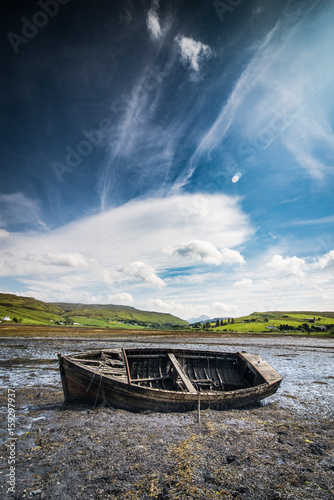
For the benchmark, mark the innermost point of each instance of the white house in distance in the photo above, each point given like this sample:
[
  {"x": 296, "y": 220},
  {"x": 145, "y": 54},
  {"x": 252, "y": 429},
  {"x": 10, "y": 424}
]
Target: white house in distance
[{"x": 5, "y": 318}]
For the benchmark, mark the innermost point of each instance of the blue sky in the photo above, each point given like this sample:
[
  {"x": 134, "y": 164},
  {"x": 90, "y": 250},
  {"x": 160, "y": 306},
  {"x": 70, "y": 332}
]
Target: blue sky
[{"x": 174, "y": 156}]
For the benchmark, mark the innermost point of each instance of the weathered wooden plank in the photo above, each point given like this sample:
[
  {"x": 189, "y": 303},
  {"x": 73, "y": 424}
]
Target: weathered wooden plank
[
  {"x": 126, "y": 365},
  {"x": 268, "y": 373},
  {"x": 184, "y": 377}
]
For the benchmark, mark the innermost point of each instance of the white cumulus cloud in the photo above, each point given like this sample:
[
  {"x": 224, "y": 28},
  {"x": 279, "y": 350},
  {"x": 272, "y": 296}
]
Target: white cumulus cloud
[
  {"x": 121, "y": 298},
  {"x": 208, "y": 253},
  {"x": 291, "y": 265},
  {"x": 193, "y": 52},
  {"x": 327, "y": 261},
  {"x": 231, "y": 257},
  {"x": 66, "y": 263},
  {"x": 142, "y": 272},
  {"x": 185, "y": 310},
  {"x": 153, "y": 22},
  {"x": 223, "y": 309}
]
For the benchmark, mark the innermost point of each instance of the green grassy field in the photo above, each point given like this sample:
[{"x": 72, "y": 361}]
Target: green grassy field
[
  {"x": 83, "y": 321},
  {"x": 267, "y": 322},
  {"x": 29, "y": 316}
]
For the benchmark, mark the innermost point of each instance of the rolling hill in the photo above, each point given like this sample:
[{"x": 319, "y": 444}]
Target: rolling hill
[
  {"x": 28, "y": 310},
  {"x": 278, "y": 322}
]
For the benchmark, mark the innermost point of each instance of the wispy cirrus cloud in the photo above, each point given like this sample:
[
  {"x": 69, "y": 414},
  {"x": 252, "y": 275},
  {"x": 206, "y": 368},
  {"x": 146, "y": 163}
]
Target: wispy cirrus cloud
[
  {"x": 17, "y": 208},
  {"x": 311, "y": 222},
  {"x": 137, "y": 144},
  {"x": 283, "y": 95}
]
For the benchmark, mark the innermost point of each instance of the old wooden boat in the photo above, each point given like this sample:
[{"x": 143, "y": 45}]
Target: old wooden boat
[{"x": 166, "y": 380}]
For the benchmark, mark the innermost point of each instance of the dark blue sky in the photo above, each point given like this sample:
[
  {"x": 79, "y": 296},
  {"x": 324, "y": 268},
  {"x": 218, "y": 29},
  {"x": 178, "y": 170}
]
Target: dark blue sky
[{"x": 208, "y": 125}]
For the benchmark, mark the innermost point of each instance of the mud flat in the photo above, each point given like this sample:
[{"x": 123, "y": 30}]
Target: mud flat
[
  {"x": 262, "y": 452},
  {"x": 279, "y": 449}
]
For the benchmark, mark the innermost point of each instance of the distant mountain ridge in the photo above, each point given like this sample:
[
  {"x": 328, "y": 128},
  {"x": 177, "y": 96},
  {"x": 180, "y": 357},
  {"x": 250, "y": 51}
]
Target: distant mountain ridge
[
  {"x": 200, "y": 319},
  {"x": 204, "y": 319},
  {"x": 34, "y": 311}
]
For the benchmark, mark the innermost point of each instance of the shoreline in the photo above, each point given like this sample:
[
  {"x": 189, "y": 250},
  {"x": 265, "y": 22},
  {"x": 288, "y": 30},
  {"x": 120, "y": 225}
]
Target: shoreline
[{"x": 43, "y": 331}]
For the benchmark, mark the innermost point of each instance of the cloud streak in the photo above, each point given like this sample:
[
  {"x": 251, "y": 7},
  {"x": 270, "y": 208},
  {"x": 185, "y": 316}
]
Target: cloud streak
[
  {"x": 17, "y": 208},
  {"x": 285, "y": 77}
]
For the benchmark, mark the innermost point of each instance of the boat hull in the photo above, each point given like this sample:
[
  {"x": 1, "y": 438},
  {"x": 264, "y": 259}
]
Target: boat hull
[{"x": 87, "y": 385}]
